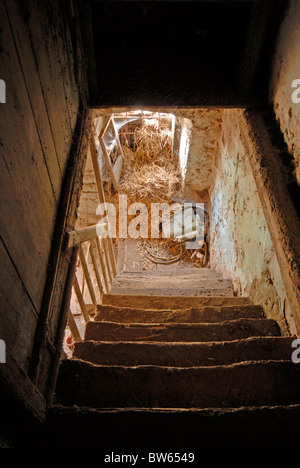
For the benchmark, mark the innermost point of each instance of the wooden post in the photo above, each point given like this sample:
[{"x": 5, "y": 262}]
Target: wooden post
[
  {"x": 96, "y": 269},
  {"x": 73, "y": 327},
  {"x": 104, "y": 274},
  {"x": 87, "y": 278},
  {"x": 102, "y": 200},
  {"x": 81, "y": 301},
  {"x": 104, "y": 244},
  {"x": 78, "y": 236},
  {"x": 112, "y": 257}
]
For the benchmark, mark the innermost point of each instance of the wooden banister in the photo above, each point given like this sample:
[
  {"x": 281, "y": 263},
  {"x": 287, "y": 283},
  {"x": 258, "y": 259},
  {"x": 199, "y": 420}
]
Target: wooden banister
[
  {"x": 104, "y": 253},
  {"x": 85, "y": 234}
]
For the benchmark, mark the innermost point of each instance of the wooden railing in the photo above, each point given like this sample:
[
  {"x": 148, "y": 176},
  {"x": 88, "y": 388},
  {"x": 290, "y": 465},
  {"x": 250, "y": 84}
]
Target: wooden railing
[
  {"x": 96, "y": 257},
  {"x": 98, "y": 261}
]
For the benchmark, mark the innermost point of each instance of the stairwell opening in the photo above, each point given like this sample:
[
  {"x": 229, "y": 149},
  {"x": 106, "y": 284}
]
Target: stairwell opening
[
  {"x": 194, "y": 338},
  {"x": 178, "y": 155}
]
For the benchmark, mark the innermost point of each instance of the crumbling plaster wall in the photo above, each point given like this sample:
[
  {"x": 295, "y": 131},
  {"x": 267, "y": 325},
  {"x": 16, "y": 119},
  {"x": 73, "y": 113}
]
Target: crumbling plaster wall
[
  {"x": 241, "y": 246},
  {"x": 204, "y": 142},
  {"x": 286, "y": 69}
]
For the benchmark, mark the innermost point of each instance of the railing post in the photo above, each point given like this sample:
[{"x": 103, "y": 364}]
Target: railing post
[
  {"x": 81, "y": 301},
  {"x": 96, "y": 269},
  {"x": 104, "y": 274},
  {"x": 87, "y": 278},
  {"x": 73, "y": 327}
]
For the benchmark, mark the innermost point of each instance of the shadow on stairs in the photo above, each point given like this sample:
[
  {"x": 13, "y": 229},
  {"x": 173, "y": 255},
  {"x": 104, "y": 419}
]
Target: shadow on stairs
[{"x": 177, "y": 363}]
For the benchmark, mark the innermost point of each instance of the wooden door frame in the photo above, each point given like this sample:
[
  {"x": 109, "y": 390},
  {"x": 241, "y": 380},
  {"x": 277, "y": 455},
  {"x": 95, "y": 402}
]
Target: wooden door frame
[{"x": 46, "y": 352}]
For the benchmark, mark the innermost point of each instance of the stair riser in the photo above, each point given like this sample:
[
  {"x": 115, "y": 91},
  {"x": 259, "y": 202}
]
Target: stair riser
[
  {"x": 174, "y": 292},
  {"x": 227, "y": 331},
  {"x": 172, "y": 283},
  {"x": 183, "y": 355},
  {"x": 172, "y": 272},
  {"x": 205, "y": 314},
  {"x": 273, "y": 383},
  {"x": 171, "y": 302},
  {"x": 173, "y": 429}
]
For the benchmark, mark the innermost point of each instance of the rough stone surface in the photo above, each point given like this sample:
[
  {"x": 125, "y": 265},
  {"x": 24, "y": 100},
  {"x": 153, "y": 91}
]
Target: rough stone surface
[
  {"x": 171, "y": 332},
  {"x": 194, "y": 315},
  {"x": 252, "y": 427},
  {"x": 241, "y": 246},
  {"x": 171, "y": 302},
  {"x": 235, "y": 385},
  {"x": 183, "y": 354}
]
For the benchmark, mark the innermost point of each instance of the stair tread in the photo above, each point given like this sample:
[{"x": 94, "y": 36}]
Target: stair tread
[
  {"x": 233, "y": 385},
  {"x": 187, "y": 354},
  {"x": 170, "y": 302},
  {"x": 222, "y": 331},
  {"x": 169, "y": 428},
  {"x": 200, "y": 314},
  {"x": 172, "y": 272},
  {"x": 169, "y": 291},
  {"x": 166, "y": 282}
]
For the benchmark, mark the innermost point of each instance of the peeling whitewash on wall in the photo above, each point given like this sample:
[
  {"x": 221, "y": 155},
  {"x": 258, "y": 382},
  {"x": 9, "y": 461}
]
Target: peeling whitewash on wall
[{"x": 241, "y": 246}]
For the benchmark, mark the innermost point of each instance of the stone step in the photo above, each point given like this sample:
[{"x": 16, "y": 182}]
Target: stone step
[
  {"x": 170, "y": 429},
  {"x": 202, "y": 314},
  {"x": 173, "y": 291},
  {"x": 170, "y": 332},
  {"x": 171, "y": 302},
  {"x": 172, "y": 283},
  {"x": 172, "y": 272},
  {"x": 184, "y": 354},
  {"x": 243, "y": 384}
]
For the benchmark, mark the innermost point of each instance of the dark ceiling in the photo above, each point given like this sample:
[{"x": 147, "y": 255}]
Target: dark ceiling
[{"x": 179, "y": 53}]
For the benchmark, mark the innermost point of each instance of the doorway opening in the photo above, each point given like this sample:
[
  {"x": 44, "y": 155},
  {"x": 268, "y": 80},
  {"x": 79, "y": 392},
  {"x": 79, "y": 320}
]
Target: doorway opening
[{"x": 141, "y": 156}]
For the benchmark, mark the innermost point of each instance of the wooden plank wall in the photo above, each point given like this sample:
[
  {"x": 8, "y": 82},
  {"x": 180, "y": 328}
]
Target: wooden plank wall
[{"x": 36, "y": 131}]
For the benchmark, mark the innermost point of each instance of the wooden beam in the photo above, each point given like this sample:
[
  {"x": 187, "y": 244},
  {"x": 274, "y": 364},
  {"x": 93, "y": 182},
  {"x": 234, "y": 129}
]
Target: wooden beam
[
  {"x": 87, "y": 277},
  {"x": 108, "y": 267},
  {"x": 104, "y": 274},
  {"x": 45, "y": 357},
  {"x": 73, "y": 327},
  {"x": 85, "y": 234},
  {"x": 81, "y": 300},
  {"x": 93, "y": 257},
  {"x": 112, "y": 258}
]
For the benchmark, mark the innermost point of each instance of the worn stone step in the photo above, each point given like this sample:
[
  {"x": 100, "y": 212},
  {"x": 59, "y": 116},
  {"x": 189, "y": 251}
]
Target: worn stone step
[
  {"x": 171, "y": 302},
  {"x": 167, "y": 276},
  {"x": 170, "y": 332},
  {"x": 170, "y": 429},
  {"x": 172, "y": 291},
  {"x": 184, "y": 354},
  {"x": 243, "y": 384},
  {"x": 198, "y": 284},
  {"x": 172, "y": 272},
  {"x": 202, "y": 314}
]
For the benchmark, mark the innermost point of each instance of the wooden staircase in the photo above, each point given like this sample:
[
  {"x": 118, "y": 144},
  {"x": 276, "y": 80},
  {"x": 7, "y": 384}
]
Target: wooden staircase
[{"x": 176, "y": 361}]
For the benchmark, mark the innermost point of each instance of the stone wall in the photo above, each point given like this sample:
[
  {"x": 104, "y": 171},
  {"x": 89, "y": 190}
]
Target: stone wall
[
  {"x": 286, "y": 69},
  {"x": 241, "y": 246}
]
